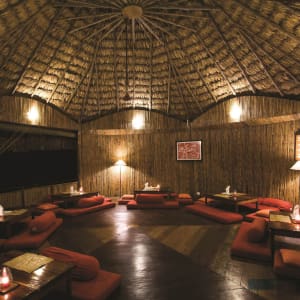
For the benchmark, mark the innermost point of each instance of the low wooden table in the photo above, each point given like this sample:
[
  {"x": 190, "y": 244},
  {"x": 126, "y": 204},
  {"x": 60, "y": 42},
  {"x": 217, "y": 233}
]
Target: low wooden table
[
  {"x": 233, "y": 199},
  {"x": 280, "y": 223},
  {"x": 37, "y": 284},
  {"x": 11, "y": 217}
]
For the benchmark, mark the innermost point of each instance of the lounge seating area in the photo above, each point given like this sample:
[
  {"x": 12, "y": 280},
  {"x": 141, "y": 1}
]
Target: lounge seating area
[
  {"x": 84, "y": 205},
  {"x": 89, "y": 280},
  {"x": 32, "y": 233}
]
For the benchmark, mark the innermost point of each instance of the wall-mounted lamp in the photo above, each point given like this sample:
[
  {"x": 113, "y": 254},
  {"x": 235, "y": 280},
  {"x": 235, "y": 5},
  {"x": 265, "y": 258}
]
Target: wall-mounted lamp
[
  {"x": 33, "y": 114},
  {"x": 120, "y": 163},
  {"x": 138, "y": 122},
  {"x": 235, "y": 112}
]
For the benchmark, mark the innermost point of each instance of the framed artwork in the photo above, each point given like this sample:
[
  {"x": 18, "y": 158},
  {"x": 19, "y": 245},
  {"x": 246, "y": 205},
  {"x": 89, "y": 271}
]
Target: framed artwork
[{"x": 190, "y": 150}]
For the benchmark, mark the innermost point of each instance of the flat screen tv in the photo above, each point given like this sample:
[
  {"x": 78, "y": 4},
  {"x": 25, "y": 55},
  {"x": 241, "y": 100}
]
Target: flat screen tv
[{"x": 35, "y": 157}]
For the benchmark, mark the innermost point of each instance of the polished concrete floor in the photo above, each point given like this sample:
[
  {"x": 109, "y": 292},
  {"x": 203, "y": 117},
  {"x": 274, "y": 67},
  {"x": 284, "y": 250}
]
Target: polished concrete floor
[{"x": 170, "y": 254}]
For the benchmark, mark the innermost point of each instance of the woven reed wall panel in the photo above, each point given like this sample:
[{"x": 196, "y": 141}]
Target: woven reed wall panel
[
  {"x": 253, "y": 159},
  {"x": 12, "y": 200},
  {"x": 14, "y": 109},
  {"x": 252, "y": 108}
]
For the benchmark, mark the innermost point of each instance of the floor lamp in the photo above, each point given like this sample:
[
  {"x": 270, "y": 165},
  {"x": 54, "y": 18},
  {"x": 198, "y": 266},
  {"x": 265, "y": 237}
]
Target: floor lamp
[
  {"x": 120, "y": 163},
  {"x": 296, "y": 167}
]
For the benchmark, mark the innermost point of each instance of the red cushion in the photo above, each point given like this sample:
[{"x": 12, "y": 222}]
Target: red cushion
[
  {"x": 43, "y": 222},
  {"x": 90, "y": 201},
  {"x": 281, "y": 204},
  {"x": 86, "y": 266},
  {"x": 257, "y": 230},
  {"x": 150, "y": 198},
  {"x": 184, "y": 196}
]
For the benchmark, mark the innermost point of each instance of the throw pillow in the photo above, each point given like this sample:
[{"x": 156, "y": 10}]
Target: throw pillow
[
  {"x": 86, "y": 266},
  {"x": 90, "y": 201},
  {"x": 43, "y": 222},
  {"x": 257, "y": 230}
]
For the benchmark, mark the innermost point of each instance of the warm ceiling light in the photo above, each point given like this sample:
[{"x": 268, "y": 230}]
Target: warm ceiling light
[
  {"x": 138, "y": 122},
  {"x": 33, "y": 114},
  {"x": 235, "y": 112}
]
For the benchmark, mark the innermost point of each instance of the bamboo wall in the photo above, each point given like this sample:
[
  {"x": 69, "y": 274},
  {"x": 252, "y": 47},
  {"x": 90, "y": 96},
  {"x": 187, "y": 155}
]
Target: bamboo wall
[
  {"x": 252, "y": 155},
  {"x": 14, "y": 110}
]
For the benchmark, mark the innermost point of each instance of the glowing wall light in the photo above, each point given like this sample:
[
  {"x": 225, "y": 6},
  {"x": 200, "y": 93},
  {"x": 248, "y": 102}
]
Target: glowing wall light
[
  {"x": 138, "y": 122},
  {"x": 235, "y": 112},
  {"x": 33, "y": 114}
]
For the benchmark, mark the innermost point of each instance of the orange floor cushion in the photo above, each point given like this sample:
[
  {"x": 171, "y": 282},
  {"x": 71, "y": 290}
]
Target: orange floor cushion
[{"x": 287, "y": 263}]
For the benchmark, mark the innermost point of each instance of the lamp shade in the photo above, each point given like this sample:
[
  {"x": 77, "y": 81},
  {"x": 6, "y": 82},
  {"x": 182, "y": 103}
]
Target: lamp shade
[
  {"x": 296, "y": 166},
  {"x": 120, "y": 163}
]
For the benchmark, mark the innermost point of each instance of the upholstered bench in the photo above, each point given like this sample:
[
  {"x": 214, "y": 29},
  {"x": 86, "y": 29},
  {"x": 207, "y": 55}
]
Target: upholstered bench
[
  {"x": 216, "y": 214},
  {"x": 152, "y": 201},
  {"x": 89, "y": 281},
  {"x": 86, "y": 205},
  {"x": 252, "y": 241}
]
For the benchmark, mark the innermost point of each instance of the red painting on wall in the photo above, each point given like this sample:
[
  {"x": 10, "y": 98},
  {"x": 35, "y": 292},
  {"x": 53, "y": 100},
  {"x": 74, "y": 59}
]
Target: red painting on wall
[{"x": 190, "y": 150}]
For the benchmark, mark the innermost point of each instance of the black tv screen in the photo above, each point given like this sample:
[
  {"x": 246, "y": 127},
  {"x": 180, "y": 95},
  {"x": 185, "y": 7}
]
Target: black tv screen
[{"x": 36, "y": 159}]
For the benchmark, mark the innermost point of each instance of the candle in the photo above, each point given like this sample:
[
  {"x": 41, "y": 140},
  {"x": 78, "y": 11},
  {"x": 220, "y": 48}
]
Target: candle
[{"x": 6, "y": 277}]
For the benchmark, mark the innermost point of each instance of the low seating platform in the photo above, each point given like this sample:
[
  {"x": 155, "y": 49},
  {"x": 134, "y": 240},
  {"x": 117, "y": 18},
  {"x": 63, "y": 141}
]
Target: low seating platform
[
  {"x": 152, "y": 201},
  {"x": 77, "y": 211},
  {"x": 216, "y": 214}
]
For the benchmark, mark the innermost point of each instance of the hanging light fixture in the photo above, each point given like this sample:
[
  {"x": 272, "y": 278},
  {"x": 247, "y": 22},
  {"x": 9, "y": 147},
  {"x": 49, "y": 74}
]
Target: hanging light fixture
[{"x": 126, "y": 97}]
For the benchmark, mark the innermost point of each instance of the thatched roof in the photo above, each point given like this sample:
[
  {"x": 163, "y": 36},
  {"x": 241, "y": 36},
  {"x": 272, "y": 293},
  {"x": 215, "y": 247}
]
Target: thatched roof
[{"x": 182, "y": 57}]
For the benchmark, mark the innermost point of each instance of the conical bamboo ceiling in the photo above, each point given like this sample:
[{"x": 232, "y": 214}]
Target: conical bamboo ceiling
[{"x": 182, "y": 57}]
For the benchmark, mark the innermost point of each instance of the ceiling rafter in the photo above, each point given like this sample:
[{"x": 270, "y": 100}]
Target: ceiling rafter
[
  {"x": 61, "y": 42},
  {"x": 243, "y": 30},
  {"x": 111, "y": 16},
  {"x": 23, "y": 24},
  {"x": 256, "y": 36},
  {"x": 196, "y": 68},
  {"x": 242, "y": 70},
  {"x": 176, "y": 79},
  {"x": 38, "y": 47},
  {"x": 217, "y": 64},
  {"x": 170, "y": 23},
  {"x": 263, "y": 66},
  {"x": 115, "y": 74},
  {"x": 151, "y": 76},
  {"x": 270, "y": 56},
  {"x": 68, "y": 102},
  {"x": 76, "y": 52},
  {"x": 90, "y": 74},
  {"x": 16, "y": 44},
  {"x": 278, "y": 27}
]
